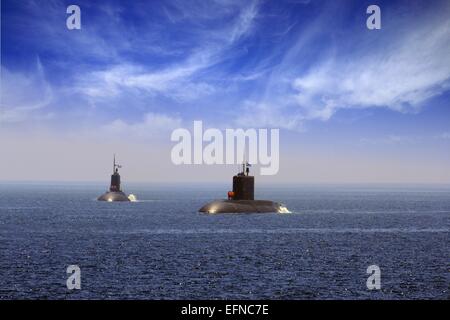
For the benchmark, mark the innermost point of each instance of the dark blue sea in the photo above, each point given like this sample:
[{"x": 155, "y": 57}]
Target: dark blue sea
[{"x": 161, "y": 248}]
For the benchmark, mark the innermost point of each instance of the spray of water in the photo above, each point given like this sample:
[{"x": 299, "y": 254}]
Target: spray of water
[{"x": 283, "y": 209}]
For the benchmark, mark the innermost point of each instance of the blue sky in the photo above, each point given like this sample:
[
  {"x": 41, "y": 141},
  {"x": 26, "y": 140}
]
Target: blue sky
[{"x": 138, "y": 69}]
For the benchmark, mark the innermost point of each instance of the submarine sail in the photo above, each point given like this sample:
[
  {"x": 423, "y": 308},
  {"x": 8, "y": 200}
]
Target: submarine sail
[
  {"x": 115, "y": 193},
  {"x": 242, "y": 199}
]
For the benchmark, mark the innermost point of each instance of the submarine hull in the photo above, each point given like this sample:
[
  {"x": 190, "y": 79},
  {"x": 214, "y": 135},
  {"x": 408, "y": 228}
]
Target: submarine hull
[
  {"x": 113, "y": 196},
  {"x": 243, "y": 206}
]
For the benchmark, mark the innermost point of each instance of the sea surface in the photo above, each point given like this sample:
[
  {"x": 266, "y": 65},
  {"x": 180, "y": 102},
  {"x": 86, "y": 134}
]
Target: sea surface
[{"x": 161, "y": 248}]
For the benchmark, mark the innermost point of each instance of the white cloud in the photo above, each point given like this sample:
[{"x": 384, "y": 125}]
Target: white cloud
[
  {"x": 261, "y": 115},
  {"x": 244, "y": 22},
  {"x": 179, "y": 80},
  {"x": 174, "y": 82},
  {"x": 401, "y": 75},
  {"x": 153, "y": 126},
  {"x": 444, "y": 135},
  {"x": 400, "y": 68},
  {"x": 392, "y": 139},
  {"x": 22, "y": 94}
]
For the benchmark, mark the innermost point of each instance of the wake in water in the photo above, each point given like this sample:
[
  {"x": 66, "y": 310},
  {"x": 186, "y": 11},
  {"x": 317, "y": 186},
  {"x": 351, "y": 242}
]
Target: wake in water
[{"x": 284, "y": 231}]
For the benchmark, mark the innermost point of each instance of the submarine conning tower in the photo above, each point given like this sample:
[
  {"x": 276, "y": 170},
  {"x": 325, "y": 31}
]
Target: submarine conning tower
[
  {"x": 242, "y": 198},
  {"x": 115, "y": 192},
  {"x": 115, "y": 177},
  {"x": 243, "y": 184}
]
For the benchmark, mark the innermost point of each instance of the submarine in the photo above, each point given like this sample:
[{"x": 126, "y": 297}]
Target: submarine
[
  {"x": 241, "y": 199},
  {"x": 115, "y": 193}
]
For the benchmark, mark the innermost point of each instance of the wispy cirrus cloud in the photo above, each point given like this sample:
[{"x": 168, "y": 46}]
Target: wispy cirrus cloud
[
  {"x": 444, "y": 135},
  {"x": 152, "y": 126},
  {"x": 254, "y": 115},
  {"x": 392, "y": 139},
  {"x": 400, "y": 69},
  {"x": 172, "y": 81},
  {"x": 259, "y": 61},
  {"x": 23, "y": 94},
  {"x": 183, "y": 79},
  {"x": 114, "y": 64},
  {"x": 401, "y": 77}
]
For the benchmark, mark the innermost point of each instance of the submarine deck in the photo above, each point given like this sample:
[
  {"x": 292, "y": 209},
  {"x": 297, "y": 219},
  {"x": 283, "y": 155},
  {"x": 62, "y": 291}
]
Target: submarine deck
[
  {"x": 113, "y": 196},
  {"x": 242, "y": 206}
]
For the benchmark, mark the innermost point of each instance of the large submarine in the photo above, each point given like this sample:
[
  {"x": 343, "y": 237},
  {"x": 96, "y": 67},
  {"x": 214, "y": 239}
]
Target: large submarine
[
  {"x": 115, "y": 193},
  {"x": 241, "y": 199}
]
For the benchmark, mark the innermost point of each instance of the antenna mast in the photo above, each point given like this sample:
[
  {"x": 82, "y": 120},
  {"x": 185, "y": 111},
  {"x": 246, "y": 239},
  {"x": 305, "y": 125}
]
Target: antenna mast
[{"x": 115, "y": 166}]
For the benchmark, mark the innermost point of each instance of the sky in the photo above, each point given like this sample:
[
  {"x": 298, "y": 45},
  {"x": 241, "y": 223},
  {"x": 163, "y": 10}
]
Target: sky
[{"x": 353, "y": 105}]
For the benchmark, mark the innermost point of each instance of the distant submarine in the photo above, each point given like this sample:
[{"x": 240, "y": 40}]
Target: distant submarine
[
  {"x": 115, "y": 193},
  {"x": 241, "y": 199}
]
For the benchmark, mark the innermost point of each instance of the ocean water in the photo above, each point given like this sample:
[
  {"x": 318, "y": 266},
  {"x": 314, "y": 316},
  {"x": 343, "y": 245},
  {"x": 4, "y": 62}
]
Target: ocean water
[{"x": 161, "y": 248}]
